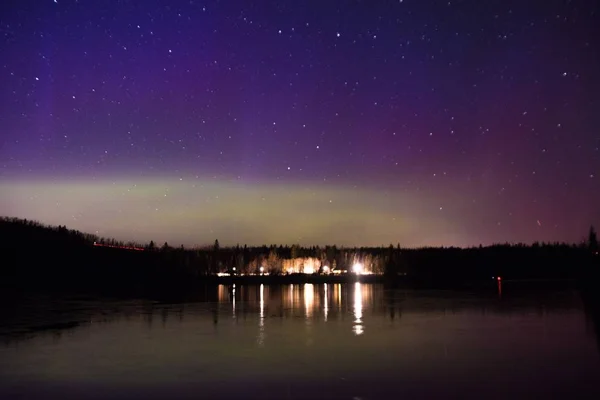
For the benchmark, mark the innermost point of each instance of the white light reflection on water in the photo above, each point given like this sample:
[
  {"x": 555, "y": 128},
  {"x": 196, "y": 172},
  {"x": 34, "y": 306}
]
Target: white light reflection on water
[
  {"x": 233, "y": 299},
  {"x": 325, "y": 302},
  {"x": 261, "y": 317},
  {"x": 262, "y": 304},
  {"x": 358, "y": 328}
]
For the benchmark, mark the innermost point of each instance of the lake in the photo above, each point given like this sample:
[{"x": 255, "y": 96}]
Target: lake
[{"x": 335, "y": 341}]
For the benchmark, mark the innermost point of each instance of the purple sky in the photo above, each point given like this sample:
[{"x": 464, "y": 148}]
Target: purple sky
[{"x": 351, "y": 122}]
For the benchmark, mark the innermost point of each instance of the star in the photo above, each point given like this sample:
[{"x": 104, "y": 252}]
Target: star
[{"x": 211, "y": 100}]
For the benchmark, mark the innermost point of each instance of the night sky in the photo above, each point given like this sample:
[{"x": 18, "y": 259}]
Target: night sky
[{"x": 417, "y": 122}]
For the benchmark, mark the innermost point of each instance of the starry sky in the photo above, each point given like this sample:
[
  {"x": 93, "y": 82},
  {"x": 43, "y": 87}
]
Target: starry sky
[{"x": 417, "y": 122}]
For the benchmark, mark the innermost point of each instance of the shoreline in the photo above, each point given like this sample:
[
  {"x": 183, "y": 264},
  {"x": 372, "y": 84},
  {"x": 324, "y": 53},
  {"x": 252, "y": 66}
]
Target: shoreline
[
  {"x": 399, "y": 282},
  {"x": 297, "y": 279}
]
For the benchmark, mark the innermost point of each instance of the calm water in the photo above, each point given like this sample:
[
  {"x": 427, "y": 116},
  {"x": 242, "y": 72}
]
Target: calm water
[{"x": 354, "y": 341}]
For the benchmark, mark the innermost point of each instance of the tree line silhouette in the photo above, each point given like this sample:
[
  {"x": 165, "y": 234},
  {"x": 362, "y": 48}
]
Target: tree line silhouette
[{"x": 56, "y": 258}]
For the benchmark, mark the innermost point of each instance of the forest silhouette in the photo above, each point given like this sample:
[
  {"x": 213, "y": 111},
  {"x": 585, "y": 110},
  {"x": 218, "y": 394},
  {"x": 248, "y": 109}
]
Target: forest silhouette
[{"x": 41, "y": 257}]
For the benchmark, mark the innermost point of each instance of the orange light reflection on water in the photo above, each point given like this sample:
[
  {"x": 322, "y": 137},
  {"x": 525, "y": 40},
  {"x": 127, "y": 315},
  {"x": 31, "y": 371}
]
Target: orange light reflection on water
[{"x": 309, "y": 299}]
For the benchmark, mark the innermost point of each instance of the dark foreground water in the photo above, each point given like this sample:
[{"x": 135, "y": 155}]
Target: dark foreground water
[{"x": 354, "y": 341}]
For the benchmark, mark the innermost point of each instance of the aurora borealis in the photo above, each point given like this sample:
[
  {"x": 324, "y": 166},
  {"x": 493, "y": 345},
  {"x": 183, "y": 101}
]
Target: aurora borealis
[{"x": 347, "y": 122}]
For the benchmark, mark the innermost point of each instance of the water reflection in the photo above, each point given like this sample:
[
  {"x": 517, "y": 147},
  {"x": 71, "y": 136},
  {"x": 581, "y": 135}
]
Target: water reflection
[
  {"x": 325, "y": 302},
  {"x": 292, "y": 298},
  {"x": 499, "y": 279},
  {"x": 309, "y": 299},
  {"x": 358, "y": 305},
  {"x": 592, "y": 311},
  {"x": 261, "y": 316},
  {"x": 262, "y": 305},
  {"x": 240, "y": 334},
  {"x": 233, "y": 298}
]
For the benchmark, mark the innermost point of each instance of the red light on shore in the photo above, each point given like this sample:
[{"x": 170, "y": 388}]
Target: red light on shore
[{"x": 499, "y": 278}]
